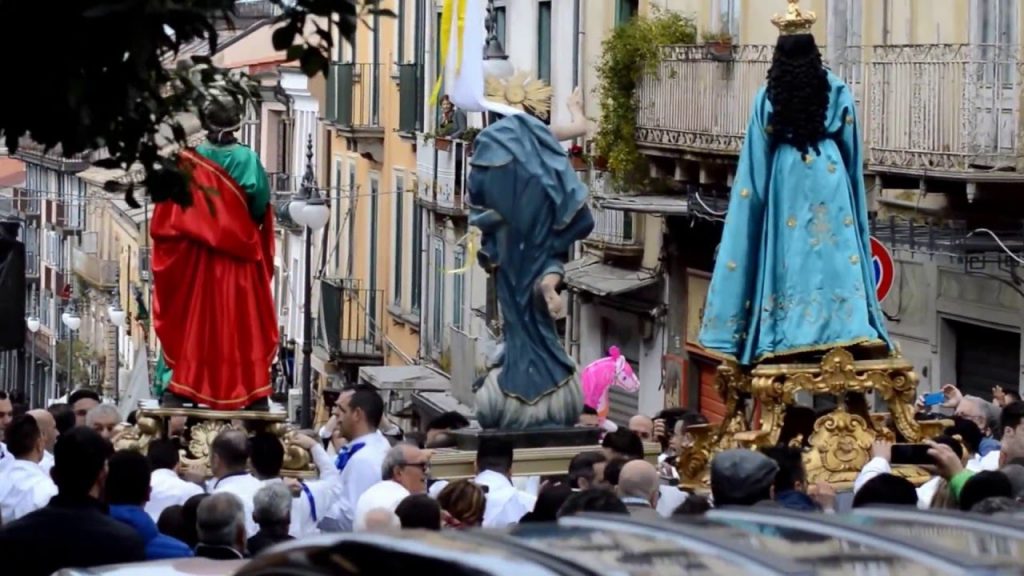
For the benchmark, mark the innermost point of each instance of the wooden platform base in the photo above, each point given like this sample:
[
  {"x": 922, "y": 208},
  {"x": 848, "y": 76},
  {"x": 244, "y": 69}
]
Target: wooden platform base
[
  {"x": 451, "y": 464},
  {"x": 202, "y": 425}
]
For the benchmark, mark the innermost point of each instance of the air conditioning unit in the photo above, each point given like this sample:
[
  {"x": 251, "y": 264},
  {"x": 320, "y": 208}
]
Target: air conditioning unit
[{"x": 294, "y": 404}]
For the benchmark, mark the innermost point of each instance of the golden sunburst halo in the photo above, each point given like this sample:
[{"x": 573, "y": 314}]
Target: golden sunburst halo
[{"x": 521, "y": 92}]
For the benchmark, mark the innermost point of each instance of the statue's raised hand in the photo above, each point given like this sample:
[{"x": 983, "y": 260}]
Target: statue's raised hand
[{"x": 549, "y": 289}]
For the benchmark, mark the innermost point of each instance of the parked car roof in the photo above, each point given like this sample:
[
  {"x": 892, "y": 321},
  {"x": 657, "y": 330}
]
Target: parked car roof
[{"x": 726, "y": 542}]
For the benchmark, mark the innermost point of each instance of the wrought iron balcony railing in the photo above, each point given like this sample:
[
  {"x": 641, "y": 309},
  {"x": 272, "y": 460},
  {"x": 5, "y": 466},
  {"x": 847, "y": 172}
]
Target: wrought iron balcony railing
[
  {"x": 615, "y": 228},
  {"x": 350, "y": 319},
  {"x": 354, "y": 96},
  {"x": 940, "y": 109}
]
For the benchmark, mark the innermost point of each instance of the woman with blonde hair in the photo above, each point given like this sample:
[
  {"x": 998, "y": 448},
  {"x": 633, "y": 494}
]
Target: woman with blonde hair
[{"x": 462, "y": 504}]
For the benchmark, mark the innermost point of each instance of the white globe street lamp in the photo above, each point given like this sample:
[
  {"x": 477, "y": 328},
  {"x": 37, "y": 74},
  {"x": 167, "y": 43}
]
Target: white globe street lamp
[
  {"x": 71, "y": 320},
  {"x": 117, "y": 316},
  {"x": 315, "y": 214},
  {"x": 296, "y": 206},
  {"x": 496, "y": 64},
  {"x": 33, "y": 324}
]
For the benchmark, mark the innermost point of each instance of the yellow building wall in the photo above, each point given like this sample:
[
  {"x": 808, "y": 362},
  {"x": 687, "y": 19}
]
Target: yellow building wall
[{"x": 398, "y": 156}]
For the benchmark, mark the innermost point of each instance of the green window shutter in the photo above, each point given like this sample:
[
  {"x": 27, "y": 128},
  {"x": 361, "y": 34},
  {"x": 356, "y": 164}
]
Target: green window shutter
[
  {"x": 408, "y": 98},
  {"x": 332, "y": 94},
  {"x": 344, "y": 88}
]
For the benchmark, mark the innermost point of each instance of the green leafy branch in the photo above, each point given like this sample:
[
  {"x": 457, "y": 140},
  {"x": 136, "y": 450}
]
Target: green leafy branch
[
  {"x": 630, "y": 52},
  {"x": 115, "y": 91}
]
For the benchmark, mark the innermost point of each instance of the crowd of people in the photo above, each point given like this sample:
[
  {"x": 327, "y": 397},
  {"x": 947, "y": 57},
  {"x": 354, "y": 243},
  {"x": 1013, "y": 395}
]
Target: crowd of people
[{"x": 60, "y": 476}]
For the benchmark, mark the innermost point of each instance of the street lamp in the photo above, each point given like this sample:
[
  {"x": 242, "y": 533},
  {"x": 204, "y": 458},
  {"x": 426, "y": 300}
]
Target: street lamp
[
  {"x": 309, "y": 210},
  {"x": 72, "y": 321},
  {"x": 117, "y": 317},
  {"x": 32, "y": 323},
  {"x": 496, "y": 64}
]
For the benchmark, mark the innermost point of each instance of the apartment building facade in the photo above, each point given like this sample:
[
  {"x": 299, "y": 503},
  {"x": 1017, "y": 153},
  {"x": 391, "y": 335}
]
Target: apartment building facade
[{"x": 939, "y": 111}]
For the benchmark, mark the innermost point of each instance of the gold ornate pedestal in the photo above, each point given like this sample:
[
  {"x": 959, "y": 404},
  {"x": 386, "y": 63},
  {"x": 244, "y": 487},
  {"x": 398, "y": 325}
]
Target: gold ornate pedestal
[
  {"x": 203, "y": 425},
  {"x": 840, "y": 443}
]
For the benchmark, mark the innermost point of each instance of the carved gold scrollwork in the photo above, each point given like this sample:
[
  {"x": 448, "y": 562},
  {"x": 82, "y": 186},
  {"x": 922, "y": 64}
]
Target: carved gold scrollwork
[
  {"x": 841, "y": 444},
  {"x": 841, "y": 440},
  {"x": 139, "y": 436},
  {"x": 695, "y": 455}
]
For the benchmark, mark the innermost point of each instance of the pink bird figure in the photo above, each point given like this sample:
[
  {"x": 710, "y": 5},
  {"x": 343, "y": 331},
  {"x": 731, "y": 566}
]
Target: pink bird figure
[{"x": 600, "y": 375}]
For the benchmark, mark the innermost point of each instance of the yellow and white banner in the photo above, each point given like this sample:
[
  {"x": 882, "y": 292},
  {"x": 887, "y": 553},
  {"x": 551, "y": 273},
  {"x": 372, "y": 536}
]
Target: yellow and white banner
[{"x": 462, "y": 52}]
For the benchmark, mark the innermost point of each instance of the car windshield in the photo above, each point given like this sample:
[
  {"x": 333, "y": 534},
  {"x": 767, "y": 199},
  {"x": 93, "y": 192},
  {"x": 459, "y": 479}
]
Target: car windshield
[
  {"x": 610, "y": 552},
  {"x": 951, "y": 531},
  {"x": 827, "y": 555}
]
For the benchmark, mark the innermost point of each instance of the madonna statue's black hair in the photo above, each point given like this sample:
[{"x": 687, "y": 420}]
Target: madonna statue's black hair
[{"x": 798, "y": 89}]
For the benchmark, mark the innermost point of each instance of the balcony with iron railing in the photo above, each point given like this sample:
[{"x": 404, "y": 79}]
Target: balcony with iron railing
[
  {"x": 616, "y": 232},
  {"x": 95, "y": 271},
  {"x": 354, "y": 99},
  {"x": 66, "y": 215},
  {"x": 350, "y": 321},
  {"x": 27, "y": 202},
  {"x": 948, "y": 111},
  {"x": 443, "y": 167},
  {"x": 34, "y": 153}
]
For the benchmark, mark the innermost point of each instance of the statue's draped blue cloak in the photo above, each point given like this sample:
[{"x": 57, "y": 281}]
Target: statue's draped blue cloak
[
  {"x": 530, "y": 207},
  {"x": 793, "y": 272}
]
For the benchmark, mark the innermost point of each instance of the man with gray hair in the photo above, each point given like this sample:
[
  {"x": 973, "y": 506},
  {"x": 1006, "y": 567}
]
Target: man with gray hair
[
  {"x": 404, "y": 472},
  {"x": 220, "y": 523},
  {"x": 103, "y": 418},
  {"x": 272, "y": 510},
  {"x": 638, "y": 489},
  {"x": 986, "y": 415}
]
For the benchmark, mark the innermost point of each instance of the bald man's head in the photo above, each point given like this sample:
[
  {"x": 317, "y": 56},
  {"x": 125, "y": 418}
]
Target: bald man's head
[
  {"x": 642, "y": 426},
  {"x": 639, "y": 479},
  {"x": 47, "y": 425},
  {"x": 229, "y": 453}
]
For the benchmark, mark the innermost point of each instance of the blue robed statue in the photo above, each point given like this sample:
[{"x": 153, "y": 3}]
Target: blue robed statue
[
  {"x": 793, "y": 271},
  {"x": 530, "y": 208}
]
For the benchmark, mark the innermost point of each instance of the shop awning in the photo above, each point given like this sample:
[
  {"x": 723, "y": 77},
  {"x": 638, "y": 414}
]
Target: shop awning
[
  {"x": 589, "y": 274},
  {"x": 665, "y": 205},
  {"x": 415, "y": 378}
]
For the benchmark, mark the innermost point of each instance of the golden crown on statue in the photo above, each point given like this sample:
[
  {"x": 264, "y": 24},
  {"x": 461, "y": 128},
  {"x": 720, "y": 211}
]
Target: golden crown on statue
[{"x": 795, "y": 20}]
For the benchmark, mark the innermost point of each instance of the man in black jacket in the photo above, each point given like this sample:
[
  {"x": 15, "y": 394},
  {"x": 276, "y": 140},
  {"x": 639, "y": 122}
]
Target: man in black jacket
[{"x": 74, "y": 530}]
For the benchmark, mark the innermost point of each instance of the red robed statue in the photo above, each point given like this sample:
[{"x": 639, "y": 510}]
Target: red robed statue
[{"x": 212, "y": 266}]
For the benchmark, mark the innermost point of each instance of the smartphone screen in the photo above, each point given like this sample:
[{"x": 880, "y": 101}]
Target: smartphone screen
[
  {"x": 911, "y": 454},
  {"x": 934, "y": 398}
]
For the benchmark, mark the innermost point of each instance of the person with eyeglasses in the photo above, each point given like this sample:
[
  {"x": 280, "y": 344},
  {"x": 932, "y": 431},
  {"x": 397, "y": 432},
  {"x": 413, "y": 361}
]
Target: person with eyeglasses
[{"x": 405, "y": 471}]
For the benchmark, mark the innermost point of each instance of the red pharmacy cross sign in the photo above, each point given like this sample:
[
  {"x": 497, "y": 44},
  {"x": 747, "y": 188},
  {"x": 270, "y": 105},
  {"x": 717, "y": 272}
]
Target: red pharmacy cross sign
[{"x": 881, "y": 263}]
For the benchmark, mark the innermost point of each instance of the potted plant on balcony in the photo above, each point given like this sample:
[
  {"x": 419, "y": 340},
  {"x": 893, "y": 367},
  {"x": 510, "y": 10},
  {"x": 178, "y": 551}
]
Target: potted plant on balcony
[
  {"x": 718, "y": 46},
  {"x": 469, "y": 136},
  {"x": 578, "y": 158}
]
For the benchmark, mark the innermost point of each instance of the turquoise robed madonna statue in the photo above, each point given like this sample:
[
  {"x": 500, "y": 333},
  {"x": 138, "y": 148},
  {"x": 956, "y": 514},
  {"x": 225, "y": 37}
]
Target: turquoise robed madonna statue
[{"x": 793, "y": 271}]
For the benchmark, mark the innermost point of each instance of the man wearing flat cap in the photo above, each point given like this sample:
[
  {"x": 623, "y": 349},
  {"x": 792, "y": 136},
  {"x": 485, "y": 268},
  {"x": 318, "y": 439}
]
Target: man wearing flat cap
[{"x": 742, "y": 478}]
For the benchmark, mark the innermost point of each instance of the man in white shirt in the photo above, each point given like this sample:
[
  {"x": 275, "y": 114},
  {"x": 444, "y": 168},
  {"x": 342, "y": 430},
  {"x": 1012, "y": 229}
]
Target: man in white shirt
[
  {"x": 166, "y": 487},
  {"x": 359, "y": 411},
  {"x": 311, "y": 499},
  {"x": 229, "y": 455},
  {"x": 505, "y": 504},
  {"x": 404, "y": 470},
  {"x": 6, "y": 413},
  {"x": 48, "y": 427},
  {"x": 24, "y": 487}
]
